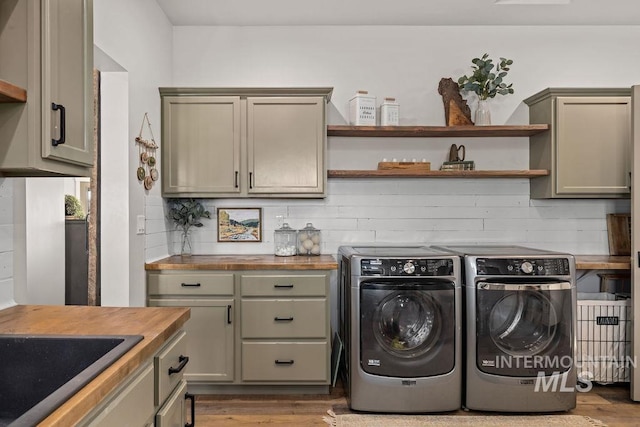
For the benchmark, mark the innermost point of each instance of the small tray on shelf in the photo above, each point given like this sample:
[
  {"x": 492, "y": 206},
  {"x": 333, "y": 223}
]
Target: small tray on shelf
[{"x": 412, "y": 166}]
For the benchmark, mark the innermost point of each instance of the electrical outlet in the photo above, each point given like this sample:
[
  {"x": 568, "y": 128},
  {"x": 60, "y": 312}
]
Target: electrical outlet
[
  {"x": 140, "y": 219},
  {"x": 279, "y": 221}
]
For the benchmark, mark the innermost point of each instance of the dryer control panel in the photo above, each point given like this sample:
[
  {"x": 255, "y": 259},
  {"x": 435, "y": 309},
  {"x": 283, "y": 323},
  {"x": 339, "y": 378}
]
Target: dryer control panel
[
  {"x": 406, "y": 267},
  {"x": 523, "y": 266}
]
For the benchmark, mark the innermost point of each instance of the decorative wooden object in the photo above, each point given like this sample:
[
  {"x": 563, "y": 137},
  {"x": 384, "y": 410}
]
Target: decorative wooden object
[
  {"x": 456, "y": 110},
  {"x": 619, "y": 232},
  {"x": 147, "y": 172},
  {"x": 413, "y": 166}
]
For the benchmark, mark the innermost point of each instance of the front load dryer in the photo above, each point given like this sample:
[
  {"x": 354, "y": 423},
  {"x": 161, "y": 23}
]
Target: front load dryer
[
  {"x": 400, "y": 322},
  {"x": 520, "y": 322}
]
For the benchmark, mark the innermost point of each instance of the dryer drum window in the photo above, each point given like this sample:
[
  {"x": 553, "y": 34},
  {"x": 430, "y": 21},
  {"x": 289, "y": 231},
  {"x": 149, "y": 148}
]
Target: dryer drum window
[
  {"x": 407, "y": 324},
  {"x": 523, "y": 323}
]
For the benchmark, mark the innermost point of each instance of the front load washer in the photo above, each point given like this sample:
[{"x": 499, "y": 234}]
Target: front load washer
[
  {"x": 400, "y": 322},
  {"x": 520, "y": 305}
]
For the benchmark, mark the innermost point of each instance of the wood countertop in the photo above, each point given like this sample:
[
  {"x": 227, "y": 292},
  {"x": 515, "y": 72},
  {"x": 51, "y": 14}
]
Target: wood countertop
[
  {"x": 603, "y": 262},
  {"x": 156, "y": 324},
  {"x": 244, "y": 262}
]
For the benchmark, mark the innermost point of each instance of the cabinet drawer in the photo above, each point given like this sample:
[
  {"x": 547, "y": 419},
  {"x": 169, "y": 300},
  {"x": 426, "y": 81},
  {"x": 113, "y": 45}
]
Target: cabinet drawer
[
  {"x": 169, "y": 360},
  {"x": 269, "y": 318},
  {"x": 278, "y": 361},
  {"x": 283, "y": 285},
  {"x": 190, "y": 284},
  {"x": 173, "y": 411}
]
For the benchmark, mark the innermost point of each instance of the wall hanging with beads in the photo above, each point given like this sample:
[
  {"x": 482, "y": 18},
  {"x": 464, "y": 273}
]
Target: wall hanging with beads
[{"x": 147, "y": 171}]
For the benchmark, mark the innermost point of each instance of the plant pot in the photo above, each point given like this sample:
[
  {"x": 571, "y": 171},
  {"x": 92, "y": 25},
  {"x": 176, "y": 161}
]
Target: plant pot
[{"x": 483, "y": 113}]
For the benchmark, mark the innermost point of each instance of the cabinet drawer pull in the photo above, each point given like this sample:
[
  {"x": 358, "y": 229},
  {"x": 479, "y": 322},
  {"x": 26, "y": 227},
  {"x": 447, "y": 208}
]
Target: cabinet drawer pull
[
  {"x": 250, "y": 179},
  {"x": 283, "y": 286},
  {"x": 284, "y": 362},
  {"x": 63, "y": 124},
  {"x": 229, "y": 314},
  {"x": 190, "y": 285},
  {"x": 283, "y": 319},
  {"x": 236, "y": 179},
  {"x": 183, "y": 362},
  {"x": 192, "y": 398}
]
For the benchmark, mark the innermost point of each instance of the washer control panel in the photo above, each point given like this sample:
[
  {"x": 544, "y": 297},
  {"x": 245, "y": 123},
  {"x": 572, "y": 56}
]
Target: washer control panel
[
  {"x": 406, "y": 267},
  {"x": 523, "y": 266}
]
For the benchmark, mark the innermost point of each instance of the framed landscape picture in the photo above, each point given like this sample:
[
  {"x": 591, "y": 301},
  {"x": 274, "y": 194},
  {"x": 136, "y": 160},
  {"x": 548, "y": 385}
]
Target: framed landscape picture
[{"x": 239, "y": 224}]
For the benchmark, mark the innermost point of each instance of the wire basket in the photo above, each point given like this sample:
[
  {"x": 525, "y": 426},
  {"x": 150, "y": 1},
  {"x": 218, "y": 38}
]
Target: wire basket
[{"x": 603, "y": 338}]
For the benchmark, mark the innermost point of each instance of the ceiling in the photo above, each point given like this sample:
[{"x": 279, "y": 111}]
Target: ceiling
[{"x": 401, "y": 12}]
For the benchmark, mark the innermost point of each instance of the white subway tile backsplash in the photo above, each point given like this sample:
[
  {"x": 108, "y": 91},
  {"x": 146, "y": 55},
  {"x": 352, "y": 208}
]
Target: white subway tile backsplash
[
  {"x": 421, "y": 211},
  {"x": 6, "y": 265},
  {"x": 6, "y": 242}
]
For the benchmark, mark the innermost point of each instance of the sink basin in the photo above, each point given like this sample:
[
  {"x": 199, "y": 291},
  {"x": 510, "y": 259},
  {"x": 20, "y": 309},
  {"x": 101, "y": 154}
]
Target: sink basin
[{"x": 40, "y": 372}]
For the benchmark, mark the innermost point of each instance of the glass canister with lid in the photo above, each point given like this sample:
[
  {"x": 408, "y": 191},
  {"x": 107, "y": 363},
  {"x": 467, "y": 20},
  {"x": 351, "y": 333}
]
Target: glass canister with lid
[
  {"x": 284, "y": 241},
  {"x": 309, "y": 240}
]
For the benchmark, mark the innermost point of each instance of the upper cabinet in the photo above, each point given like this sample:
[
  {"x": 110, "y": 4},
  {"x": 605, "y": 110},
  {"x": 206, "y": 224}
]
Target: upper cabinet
[
  {"x": 233, "y": 142},
  {"x": 588, "y": 150},
  {"x": 47, "y": 49}
]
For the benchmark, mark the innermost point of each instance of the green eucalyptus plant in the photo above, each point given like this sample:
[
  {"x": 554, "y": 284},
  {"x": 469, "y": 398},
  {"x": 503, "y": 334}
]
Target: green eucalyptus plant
[
  {"x": 485, "y": 81},
  {"x": 186, "y": 213}
]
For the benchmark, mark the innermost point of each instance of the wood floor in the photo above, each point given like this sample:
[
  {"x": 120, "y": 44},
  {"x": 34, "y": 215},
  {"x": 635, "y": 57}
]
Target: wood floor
[{"x": 610, "y": 404}]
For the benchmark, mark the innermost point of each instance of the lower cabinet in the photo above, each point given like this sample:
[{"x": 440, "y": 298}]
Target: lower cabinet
[
  {"x": 250, "y": 328},
  {"x": 209, "y": 337},
  {"x": 155, "y": 393}
]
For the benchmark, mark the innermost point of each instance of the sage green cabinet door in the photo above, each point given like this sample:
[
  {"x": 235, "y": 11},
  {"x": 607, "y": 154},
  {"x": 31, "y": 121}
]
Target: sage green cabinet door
[
  {"x": 200, "y": 145},
  {"x": 46, "y": 47},
  {"x": 210, "y": 337},
  {"x": 286, "y": 145},
  {"x": 593, "y": 145},
  {"x": 132, "y": 405},
  {"x": 588, "y": 148},
  {"x": 173, "y": 413},
  {"x": 67, "y": 67}
]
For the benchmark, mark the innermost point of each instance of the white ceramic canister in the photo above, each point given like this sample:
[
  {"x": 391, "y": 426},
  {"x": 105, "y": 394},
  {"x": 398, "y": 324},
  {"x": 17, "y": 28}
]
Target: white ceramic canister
[
  {"x": 389, "y": 112},
  {"x": 362, "y": 109}
]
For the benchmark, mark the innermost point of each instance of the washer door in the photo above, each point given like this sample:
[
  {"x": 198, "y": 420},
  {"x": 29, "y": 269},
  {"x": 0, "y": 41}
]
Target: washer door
[
  {"x": 524, "y": 329},
  {"x": 407, "y": 328}
]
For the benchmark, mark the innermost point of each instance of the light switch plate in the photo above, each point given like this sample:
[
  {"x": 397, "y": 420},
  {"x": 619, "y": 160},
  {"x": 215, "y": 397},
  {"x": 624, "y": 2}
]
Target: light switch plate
[{"x": 140, "y": 224}]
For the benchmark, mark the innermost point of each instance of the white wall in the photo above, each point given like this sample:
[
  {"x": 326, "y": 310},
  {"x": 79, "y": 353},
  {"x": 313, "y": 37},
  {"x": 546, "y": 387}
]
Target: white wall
[
  {"x": 137, "y": 36},
  {"x": 407, "y": 63},
  {"x": 39, "y": 239},
  {"x": 114, "y": 189},
  {"x": 6, "y": 243}
]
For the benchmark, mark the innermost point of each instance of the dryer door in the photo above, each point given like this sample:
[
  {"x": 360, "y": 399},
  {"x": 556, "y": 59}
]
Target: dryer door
[
  {"x": 407, "y": 327},
  {"x": 524, "y": 329}
]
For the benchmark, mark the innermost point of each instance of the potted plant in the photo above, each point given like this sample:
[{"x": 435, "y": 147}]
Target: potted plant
[
  {"x": 186, "y": 213},
  {"x": 73, "y": 207},
  {"x": 486, "y": 83}
]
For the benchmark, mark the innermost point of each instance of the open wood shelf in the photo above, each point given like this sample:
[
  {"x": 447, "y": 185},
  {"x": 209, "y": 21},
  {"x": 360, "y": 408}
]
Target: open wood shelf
[
  {"x": 11, "y": 93},
  {"x": 436, "y": 174},
  {"x": 436, "y": 131}
]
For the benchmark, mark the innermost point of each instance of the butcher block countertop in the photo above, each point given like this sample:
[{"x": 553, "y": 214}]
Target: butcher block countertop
[
  {"x": 244, "y": 262},
  {"x": 603, "y": 262},
  {"x": 156, "y": 324}
]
